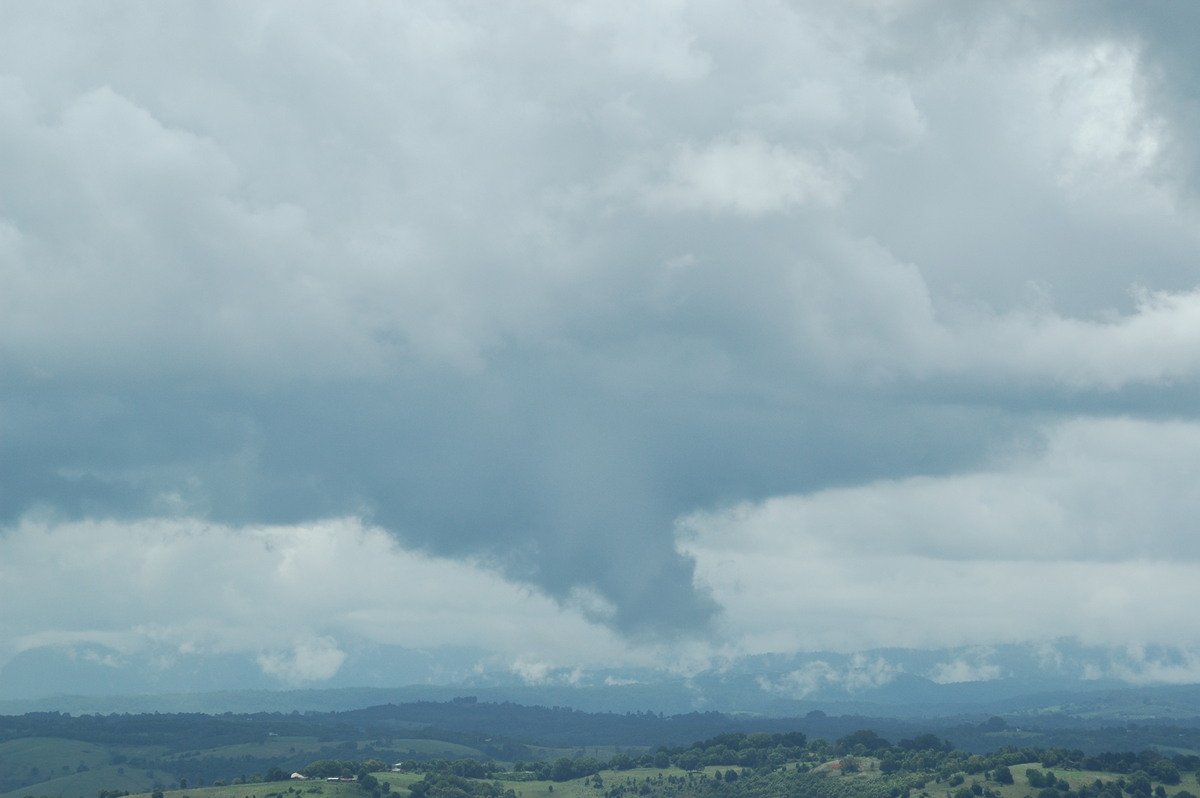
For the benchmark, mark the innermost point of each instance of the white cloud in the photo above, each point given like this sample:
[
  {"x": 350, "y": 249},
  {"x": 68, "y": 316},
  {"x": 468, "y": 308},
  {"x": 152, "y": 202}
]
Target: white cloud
[
  {"x": 283, "y": 595},
  {"x": 312, "y": 660},
  {"x": 859, "y": 674},
  {"x": 1137, "y": 665},
  {"x": 1093, "y": 95},
  {"x": 749, "y": 176},
  {"x": 962, "y": 670},
  {"x": 1090, "y": 537},
  {"x": 1156, "y": 343},
  {"x": 873, "y": 319}
]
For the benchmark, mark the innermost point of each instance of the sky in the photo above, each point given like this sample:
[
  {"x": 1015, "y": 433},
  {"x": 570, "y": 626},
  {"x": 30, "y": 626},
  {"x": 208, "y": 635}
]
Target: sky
[{"x": 597, "y": 334}]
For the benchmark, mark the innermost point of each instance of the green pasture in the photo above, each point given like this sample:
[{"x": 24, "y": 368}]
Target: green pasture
[
  {"x": 315, "y": 788},
  {"x": 576, "y": 788},
  {"x": 1020, "y": 788},
  {"x": 89, "y": 783},
  {"x": 285, "y": 747},
  {"x": 584, "y": 788},
  {"x": 436, "y": 748},
  {"x": 603, "y": 753},
  {"x": 271, "y": 747},
  {"x": 400, "y": 781},
  {"x": 49, "y": 756}
]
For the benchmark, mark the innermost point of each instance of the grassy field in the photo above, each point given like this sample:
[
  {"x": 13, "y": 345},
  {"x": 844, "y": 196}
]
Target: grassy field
[
  {"x": 437, "y": 748},
  {"x": 49, "y": 756},
  {"x": 1020, "y": 788},
  {"x": 88, "y": 783},
  {"x": 284, "y": 747},
  {"x": 400, "y": 781},
  {"x": 600, "y": 752},
  {"x": 585, "y": 788},
  {"x": 271, "y": 747},
  {"x": 70, "y": 768},
  {"x": 1078, "y": 778},
  {"x": 270, "y": 789}
]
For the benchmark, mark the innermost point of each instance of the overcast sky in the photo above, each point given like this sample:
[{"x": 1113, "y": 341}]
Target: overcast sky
[{"x": 597, "y": 333}]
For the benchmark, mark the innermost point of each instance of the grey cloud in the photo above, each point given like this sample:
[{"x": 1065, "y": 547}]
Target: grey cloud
[{"x": 534, "y": 284}]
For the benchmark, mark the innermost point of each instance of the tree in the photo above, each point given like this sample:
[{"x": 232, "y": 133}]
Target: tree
[
  {"x": 794, "y": 739},
  {"x": 331, "y": 769},
  {"x": 926, "y": 742},
  {"x": 1139, "y": 784},
  {"x": 470, "y": 768},
  {"x": 1164, "y": 770},
  {"x": 1004, "y": 775},
  {"x": 620, "y": 762},
  {"x": 868, "y": 739},
  {"x": 563, "y": 769}
]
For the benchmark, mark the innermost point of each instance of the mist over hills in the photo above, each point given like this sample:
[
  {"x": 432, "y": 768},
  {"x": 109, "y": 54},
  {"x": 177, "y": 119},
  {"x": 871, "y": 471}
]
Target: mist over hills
[{"x": 1015, "y": 680}]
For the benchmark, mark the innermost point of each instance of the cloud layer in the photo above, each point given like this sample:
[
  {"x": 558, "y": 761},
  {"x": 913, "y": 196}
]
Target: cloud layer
[
  {"x": 284, "y": 594},
  {"x": 1040, "y": 547},
  {"x": 898, "y": 293}
]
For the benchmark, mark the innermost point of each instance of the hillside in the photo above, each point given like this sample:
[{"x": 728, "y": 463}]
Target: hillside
[{"x": 94, "y": 756}]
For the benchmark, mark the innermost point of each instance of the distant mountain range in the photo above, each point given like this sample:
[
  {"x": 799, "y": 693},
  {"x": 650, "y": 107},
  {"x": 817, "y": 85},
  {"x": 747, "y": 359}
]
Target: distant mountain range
[{"x": 1014, "y": 680}]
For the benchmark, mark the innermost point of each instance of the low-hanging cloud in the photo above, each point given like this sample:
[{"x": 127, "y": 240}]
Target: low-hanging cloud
[
  {"x": 859, "y": 674},
  {"x": 1088, "y": 537},
  {"x": 284, "y": 596}
]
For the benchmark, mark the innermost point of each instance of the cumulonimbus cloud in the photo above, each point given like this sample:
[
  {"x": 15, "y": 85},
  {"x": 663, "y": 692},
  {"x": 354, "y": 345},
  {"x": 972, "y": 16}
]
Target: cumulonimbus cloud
[{"x": 526, "y": 286}]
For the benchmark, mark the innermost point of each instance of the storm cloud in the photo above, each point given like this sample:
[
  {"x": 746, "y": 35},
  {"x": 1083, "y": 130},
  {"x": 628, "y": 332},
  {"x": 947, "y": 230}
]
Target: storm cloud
[{"x": 649, "y": 313}]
